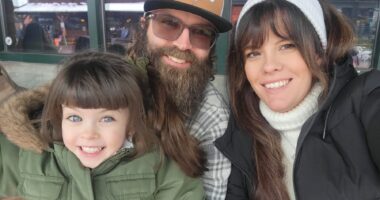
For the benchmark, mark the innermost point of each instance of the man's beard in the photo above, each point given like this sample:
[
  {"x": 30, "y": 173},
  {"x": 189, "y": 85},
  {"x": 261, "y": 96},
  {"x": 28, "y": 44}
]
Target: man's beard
[{"x": 185, "y": 87}]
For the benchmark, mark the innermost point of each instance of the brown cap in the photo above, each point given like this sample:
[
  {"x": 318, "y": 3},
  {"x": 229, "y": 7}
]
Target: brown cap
[{"x": 211, "y": 10}]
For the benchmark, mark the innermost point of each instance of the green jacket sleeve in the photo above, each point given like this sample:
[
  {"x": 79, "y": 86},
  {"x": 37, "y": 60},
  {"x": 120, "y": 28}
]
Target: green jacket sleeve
[
  {"x": 173, "y": 184},
  {"x": 9, "y": 176}
]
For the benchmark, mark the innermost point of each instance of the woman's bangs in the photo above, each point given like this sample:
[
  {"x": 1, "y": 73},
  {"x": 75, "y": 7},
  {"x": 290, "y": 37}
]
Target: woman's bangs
[{"x": 263, "y": 19}]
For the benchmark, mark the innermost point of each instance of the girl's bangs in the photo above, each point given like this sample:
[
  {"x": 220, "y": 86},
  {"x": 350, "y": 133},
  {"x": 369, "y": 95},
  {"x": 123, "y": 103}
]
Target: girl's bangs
[{"x": 97, "y": 91}]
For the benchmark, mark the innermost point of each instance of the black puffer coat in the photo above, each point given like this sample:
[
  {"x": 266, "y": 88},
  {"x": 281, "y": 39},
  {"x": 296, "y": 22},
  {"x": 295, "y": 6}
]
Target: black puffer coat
[{"x": 332, "y": 157}]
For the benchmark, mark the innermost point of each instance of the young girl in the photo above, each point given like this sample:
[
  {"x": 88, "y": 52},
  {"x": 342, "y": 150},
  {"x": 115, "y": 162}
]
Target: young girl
[
  {"x": 300, "y": 113},
  {"x": 95, "y": 143}
]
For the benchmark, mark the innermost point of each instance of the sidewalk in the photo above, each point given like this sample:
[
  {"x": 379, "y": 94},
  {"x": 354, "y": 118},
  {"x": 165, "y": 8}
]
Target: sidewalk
[{"x": 30, "y": 75}]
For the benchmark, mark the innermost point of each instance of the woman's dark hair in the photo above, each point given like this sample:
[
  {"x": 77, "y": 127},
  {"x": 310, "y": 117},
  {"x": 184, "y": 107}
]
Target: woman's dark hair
[
  {"x": 82, "y": 43},
  {"x": 100, "y": 80},
  {"x": 36, "y": 39},
  {"x": 117, "y": 49},
  {"x": 288, "y": 22}
]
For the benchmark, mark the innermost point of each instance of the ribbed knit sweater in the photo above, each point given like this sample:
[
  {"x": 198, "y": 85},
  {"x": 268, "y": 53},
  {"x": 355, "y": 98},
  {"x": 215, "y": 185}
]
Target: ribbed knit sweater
[{"x": 289, "y": 125}]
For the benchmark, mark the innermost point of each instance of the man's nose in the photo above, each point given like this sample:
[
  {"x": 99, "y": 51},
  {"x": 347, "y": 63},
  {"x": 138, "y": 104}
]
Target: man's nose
[{"x": 183, "y": 41}]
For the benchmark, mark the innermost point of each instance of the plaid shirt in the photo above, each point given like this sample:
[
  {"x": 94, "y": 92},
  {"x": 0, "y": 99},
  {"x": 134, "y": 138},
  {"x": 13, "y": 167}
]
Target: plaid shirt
[{"x": 208, "y": 124}]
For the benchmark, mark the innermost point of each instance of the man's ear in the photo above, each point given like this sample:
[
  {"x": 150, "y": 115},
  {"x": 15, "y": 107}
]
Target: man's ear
[{"x": 142, "y": 22}]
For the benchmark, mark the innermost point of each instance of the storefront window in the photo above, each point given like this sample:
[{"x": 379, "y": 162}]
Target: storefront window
[
  {"x": 48, "y": 26},
  {"x": 121, "y": 20},
  {"x": 364, "y": 16}
]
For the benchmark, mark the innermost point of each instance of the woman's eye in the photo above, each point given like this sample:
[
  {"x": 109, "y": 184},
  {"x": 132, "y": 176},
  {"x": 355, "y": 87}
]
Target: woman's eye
[
  {"x": 107, "y": 119},
  {"x": 288, "y": 46},
  {"x": 74, "y": 118},
  {"x": 251, "y": 54}
]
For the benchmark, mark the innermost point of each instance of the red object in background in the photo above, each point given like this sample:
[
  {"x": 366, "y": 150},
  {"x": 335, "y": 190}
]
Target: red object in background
[{"x": 235, "y": 13}]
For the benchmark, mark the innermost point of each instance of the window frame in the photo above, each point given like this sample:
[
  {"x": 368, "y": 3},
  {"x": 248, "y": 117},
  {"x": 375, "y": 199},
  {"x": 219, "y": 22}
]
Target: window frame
[
  {"x": 95, "y": 32},
  {"x": 375, "y": 60},
  {"x": 96, "y": 29}
]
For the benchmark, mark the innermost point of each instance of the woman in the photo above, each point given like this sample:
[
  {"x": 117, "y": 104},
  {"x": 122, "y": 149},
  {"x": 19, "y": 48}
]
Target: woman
[{"x": 300, "y": 112}]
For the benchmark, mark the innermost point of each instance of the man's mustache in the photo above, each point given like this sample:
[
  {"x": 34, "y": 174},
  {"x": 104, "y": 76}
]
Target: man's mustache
[{"x": 175, "y": 52}]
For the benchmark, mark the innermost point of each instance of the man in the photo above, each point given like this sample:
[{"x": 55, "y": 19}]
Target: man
[{"x": 178, "y": 37}]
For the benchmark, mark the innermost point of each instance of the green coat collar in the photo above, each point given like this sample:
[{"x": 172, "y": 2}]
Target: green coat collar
[{"x": 68, "y": 162}]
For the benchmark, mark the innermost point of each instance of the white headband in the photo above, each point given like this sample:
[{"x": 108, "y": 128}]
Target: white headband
[{"x": 310, "y": 8}]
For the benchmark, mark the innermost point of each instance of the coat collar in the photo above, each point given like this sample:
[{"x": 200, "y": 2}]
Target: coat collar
[
  {"x": 69, "y": 163},
  {"x": 341, "y": 74},
  {"x": 20, "y": 118}
]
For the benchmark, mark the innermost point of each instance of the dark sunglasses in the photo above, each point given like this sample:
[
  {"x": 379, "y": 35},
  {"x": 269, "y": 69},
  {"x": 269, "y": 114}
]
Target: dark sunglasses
[{"x": 170, "y": 28}]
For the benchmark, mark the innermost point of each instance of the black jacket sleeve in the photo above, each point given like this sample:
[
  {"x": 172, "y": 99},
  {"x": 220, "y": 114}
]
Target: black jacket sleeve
[
  {"x": 371, "y": 122},
  {"x": 370, "y": 114}
]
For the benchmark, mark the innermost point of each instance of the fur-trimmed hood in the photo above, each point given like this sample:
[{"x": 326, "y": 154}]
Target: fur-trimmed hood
[{"x": 20, "y": 118}]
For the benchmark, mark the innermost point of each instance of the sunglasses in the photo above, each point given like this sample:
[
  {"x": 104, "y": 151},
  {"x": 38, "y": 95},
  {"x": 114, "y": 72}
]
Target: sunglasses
[{"x": 170, "y": 28}]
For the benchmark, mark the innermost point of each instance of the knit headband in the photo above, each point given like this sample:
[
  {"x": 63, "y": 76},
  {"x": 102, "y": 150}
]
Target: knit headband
[{"x": 310, "y": 8}]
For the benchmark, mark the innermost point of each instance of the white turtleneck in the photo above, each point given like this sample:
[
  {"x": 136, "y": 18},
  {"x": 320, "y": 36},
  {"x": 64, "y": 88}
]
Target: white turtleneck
[{"x": 289, "y": 126}]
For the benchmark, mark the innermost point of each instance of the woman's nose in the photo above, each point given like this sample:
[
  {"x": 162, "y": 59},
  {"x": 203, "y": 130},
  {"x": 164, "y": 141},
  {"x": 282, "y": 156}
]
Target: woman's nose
[{"x": 271, "y": 63}]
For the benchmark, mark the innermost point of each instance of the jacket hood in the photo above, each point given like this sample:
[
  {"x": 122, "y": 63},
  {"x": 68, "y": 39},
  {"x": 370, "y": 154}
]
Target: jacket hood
[{"x": 20, "y": 119}]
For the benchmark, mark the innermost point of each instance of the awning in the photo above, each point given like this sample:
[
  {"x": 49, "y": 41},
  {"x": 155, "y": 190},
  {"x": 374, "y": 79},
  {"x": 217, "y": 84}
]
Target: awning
[
  {"x": 121, "y": 7},
  {"x": 77, "y": 7},
  {"x": 52, "y": 7}
]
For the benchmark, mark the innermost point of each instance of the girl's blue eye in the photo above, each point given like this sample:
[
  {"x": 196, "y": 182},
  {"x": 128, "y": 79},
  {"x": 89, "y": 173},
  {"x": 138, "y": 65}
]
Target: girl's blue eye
[
  {"x": 74, "y": 118},
  {"x": 107, "y": 119}
]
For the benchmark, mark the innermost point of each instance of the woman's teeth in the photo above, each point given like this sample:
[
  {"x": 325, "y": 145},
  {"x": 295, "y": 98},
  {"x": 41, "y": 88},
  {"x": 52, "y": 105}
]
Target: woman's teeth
[{"x": 276, "y": 84}]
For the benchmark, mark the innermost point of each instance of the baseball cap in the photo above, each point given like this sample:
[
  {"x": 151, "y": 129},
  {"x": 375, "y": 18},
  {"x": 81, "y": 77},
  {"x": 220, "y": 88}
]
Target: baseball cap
[{"x": 211, "y": 10}]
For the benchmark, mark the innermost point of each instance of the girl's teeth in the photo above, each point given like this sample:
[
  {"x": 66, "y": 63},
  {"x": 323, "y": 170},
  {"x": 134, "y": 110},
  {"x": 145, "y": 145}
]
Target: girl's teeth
[
  {"x": 276, "y": 84},
  {"x": 91, "y": 149},
  {"x": 174, "y": 59}
]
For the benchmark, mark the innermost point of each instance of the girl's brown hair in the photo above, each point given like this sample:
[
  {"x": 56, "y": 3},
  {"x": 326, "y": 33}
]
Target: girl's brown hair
[
  {"x": 288, "y": 22},
  {"x": 100, "y": 80}
]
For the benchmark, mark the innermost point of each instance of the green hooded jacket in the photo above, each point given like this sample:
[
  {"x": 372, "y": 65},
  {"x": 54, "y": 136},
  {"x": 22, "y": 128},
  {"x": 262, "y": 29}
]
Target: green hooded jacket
[{"x": 33, "y": 170}]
